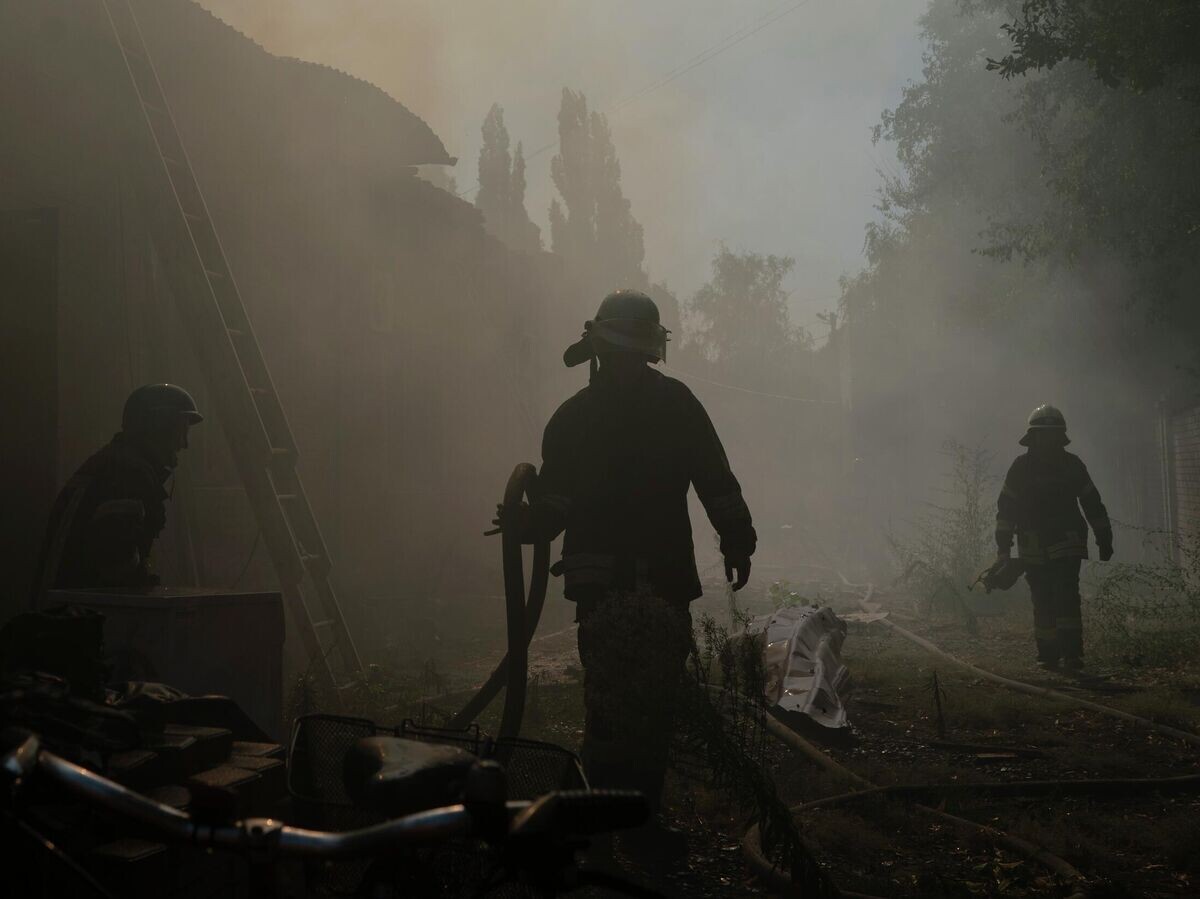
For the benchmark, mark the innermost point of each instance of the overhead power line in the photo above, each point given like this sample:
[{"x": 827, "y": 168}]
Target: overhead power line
[{"x": 728, "y": 42}]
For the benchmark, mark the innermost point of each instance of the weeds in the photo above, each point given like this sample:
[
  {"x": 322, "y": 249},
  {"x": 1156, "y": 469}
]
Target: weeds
[
  {"x": 1147, "y": 613},
  {"x": 721, "y": 723},
  {"x": 938, "y": 692},
  {"x": 948, "y": 544},
  {"x": 782, "y": 596}
]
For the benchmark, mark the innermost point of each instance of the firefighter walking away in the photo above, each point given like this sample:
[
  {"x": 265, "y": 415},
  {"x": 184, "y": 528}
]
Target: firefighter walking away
[
  {"x": 618, "y": 460},
  {"x": 1040, "y": 503}
]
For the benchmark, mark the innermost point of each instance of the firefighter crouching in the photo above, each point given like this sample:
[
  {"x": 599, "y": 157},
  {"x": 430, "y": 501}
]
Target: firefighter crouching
[
  {"x": 1040, "y": 503},
  {"x": 107, "y": 517},
  {"x": 618, "y": 460}
]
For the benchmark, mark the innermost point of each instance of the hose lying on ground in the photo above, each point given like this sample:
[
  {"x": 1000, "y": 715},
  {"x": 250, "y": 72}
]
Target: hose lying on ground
[
  {"x": 1046, "y": 692},
  {"x": 1099, "y": 788},
  {"x": 751, "y": 843},
  {"x": 1021, "y": 686},
  {"x": 763, "y": 867}
]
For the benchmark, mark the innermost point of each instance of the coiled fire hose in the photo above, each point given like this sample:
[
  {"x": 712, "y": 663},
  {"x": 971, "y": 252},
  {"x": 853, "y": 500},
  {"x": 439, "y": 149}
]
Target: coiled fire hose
[{"x": 522, "y": 615}]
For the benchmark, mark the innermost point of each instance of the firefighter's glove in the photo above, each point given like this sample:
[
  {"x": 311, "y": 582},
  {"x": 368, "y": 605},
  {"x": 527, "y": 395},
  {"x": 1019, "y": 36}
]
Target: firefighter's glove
[
  {"x": 1106, "y": 552},
  {"x": 739, "y": 566},
  {"x": 1003, "y": 555},
  {"x": 515, "y": 520}
]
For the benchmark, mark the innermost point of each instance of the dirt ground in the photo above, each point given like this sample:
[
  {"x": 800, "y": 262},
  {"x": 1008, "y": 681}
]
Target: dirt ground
[{"x": 1144, "y": 845}]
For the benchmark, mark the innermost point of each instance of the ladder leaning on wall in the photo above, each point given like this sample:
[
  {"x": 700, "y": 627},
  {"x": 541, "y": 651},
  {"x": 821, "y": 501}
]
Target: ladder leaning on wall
[{"x": 236, "y": 373}]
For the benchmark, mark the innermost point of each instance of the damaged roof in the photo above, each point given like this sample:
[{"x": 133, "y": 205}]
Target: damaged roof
[{"x": 183, "y": 34}]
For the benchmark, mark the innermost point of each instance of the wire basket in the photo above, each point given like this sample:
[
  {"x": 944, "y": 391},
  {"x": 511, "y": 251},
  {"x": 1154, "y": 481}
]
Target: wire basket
[{"x": 319, "y": 744}]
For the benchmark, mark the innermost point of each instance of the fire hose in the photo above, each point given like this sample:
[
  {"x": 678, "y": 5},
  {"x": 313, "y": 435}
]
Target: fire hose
[
  {"x": 522, "y": 613},
  {"x": 752, "y": 843},
  {"x": 773, "y": 874}
]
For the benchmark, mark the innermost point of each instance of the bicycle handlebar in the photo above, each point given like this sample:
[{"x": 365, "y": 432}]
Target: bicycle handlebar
[
  {"x": 554, "y": 815},
  {"x": 264, "y": 835}
]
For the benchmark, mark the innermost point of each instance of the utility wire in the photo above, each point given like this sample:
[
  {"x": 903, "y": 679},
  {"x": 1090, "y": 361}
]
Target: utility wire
[{"x": 728, "y": 42}]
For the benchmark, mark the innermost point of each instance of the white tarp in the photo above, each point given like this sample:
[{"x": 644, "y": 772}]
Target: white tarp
[{"x": 805, "y": 674}]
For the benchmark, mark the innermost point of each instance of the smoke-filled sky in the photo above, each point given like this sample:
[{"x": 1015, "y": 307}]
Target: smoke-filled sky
[{"x": 765, "y": 146}]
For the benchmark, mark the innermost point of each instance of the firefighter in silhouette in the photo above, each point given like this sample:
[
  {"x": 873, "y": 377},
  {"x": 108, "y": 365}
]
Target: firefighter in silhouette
[
  {"x": 108, "y": 515},
  {"x": 618, "y": 460},
  {"x": 1040, "y": 503}
]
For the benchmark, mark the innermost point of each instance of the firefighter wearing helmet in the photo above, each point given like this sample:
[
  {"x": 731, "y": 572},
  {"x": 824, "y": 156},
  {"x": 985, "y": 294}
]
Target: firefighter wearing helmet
[
  {"x": 105, "y": 521},
  {"x": 618, "y": 460},
  {"x": 1040, "y": 503}
]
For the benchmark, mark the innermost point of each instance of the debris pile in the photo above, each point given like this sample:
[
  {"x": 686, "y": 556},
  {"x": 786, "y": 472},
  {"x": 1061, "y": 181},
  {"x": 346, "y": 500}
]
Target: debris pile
[{"x": 805, "y": 679}]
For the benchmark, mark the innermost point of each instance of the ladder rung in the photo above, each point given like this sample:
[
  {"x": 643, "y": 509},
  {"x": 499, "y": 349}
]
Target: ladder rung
[{"x": 275, "y": 474}]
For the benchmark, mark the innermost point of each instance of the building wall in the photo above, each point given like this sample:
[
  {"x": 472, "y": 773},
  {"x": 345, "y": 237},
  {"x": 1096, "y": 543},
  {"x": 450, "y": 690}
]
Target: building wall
[{"x": 416, "y": 357}]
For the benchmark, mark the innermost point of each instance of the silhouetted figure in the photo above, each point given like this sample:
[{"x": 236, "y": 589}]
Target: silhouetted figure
[
  {"x": 1040, "y": 502},
  {"x": 618, "y": 459},
  {"x": 107, "y": 517}
]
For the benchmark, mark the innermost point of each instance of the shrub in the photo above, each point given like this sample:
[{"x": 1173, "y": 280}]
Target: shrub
[
  {"x": 949, "y": 543},
  {"x": 1146, "y": 613}
]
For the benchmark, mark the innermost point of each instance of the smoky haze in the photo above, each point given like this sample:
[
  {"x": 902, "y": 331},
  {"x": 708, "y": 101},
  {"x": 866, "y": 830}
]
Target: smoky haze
[
  {"x": 419, "y": 356},
  {"x": 765, "y": 146}
]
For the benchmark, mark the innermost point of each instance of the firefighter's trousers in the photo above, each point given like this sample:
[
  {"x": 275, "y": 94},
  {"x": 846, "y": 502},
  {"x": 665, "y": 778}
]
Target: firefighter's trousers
[
  {"x": 1057, "y": 620},
  {"x": 634, "y": 648}
]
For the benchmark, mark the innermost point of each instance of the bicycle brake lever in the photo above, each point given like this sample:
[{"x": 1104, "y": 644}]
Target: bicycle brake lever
[{"x": 21, "y": 753}]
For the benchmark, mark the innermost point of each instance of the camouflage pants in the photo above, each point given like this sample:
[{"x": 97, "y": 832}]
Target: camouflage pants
[
  {"x": 633, "y": 647},
  {"x": 1057, "y": 619}
]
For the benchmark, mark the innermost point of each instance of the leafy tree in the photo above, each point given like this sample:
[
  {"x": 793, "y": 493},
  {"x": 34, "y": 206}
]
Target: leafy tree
[
  {"x": 1143, "y": 43},
  {"x": 501, "y": 196},
  {"x": 740, "y": 321},
  {"x": 592, "y": 227},
  {"x": 1112, "y": 103},
  {"x": 1027, "y": 220}
]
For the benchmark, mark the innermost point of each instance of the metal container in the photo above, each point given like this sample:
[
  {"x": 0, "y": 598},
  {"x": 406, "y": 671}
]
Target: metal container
[{"x": 200, "y": 641}]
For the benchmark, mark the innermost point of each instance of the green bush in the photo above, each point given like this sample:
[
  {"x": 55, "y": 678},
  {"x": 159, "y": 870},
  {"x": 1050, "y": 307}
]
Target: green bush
[
  {"x": 1146, "y": 613},
  {"x": 946, "y": 546}
]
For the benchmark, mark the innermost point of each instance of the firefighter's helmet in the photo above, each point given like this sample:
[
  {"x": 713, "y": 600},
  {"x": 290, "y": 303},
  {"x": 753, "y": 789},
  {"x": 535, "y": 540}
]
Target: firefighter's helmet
[
  {"x": 153, "y": 404},
  {"x": 626, "y": 322},
  {"x": 1046, "y": 418}
]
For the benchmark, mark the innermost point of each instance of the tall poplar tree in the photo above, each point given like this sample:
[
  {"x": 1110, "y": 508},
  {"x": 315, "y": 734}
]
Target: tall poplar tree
[
  {"x": 591, "y": 225},
  {"x": 501, "y": 196}
]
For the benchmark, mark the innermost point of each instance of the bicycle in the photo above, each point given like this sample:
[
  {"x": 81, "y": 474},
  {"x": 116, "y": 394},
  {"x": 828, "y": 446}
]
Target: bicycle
[{"x": 534, "y": 842}]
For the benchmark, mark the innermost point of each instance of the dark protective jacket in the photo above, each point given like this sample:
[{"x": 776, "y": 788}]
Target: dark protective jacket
[
  {"x": 104, "y": 523},
  {"x": 1040, "y": 503},
  {"x": 617, "y": 465}
]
